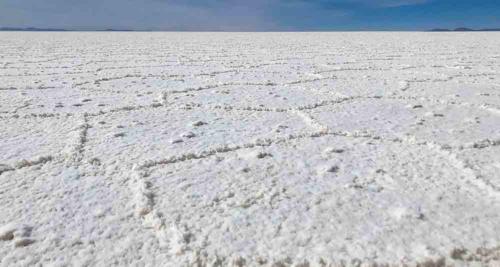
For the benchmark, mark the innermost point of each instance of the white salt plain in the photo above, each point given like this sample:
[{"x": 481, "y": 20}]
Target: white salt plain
[{"x": 249, "y": 149}]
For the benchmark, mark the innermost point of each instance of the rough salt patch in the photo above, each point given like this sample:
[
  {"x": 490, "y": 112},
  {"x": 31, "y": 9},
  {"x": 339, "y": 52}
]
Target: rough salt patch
[
  {"x": 29, "y": 141},
  {"x": 198, "y": 123},
  {"x": 254, "y": 154},
  {"x": 329, "y": 168},
  {"x": 5, "y": 168},
  {"x": 370, "y": 184},
  {"x": 160, "y": 128},
  {"x": 176, "y": 140},
  {"x": 188, "y": 134},
  {"x": 7, "y": 231},
  {"x": 19, "y": 233},
  {"x": 335, "y": 150}
]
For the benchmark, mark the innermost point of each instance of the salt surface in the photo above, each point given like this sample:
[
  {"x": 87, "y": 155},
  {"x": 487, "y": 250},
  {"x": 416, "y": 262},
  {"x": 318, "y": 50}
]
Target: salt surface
[{"x": 249, "y": 149}]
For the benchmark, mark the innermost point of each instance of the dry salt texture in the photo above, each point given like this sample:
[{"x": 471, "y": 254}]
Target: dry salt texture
[{"x": 250, "y": 149}]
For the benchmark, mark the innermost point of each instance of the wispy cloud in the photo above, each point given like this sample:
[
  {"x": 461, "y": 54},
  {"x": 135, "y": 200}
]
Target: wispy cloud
[
  {"x": 397, "y": 3},
  {"x": 364, "y": 3}
]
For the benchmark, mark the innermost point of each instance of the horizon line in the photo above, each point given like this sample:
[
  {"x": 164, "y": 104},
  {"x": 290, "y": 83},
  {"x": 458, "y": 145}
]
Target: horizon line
[{"x": 111, "y": 29}]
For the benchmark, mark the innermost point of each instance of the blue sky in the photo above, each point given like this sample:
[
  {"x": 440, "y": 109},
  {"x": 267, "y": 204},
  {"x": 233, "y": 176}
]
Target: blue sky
[{"x": 251, "y": 14}]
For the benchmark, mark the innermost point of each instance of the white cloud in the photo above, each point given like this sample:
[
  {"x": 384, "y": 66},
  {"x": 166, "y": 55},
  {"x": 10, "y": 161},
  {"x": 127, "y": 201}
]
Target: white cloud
[{"x": 396, "y": 3}]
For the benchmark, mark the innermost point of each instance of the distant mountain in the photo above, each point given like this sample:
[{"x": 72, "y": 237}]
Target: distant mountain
[
  {"x": 117, "y": 30},
  {"x": 31, "y": 29},
  {"x": 440, "y": 30},
  {"x": 463, "y": 29},
  {"x": 490, "y": 30}
]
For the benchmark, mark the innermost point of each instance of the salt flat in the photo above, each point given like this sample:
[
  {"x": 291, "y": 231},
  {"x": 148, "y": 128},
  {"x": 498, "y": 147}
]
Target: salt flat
[{"x": 249, "y": 149}]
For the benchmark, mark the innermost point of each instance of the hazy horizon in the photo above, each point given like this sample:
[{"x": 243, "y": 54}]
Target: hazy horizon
[{"x": 260, "y": 15}]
